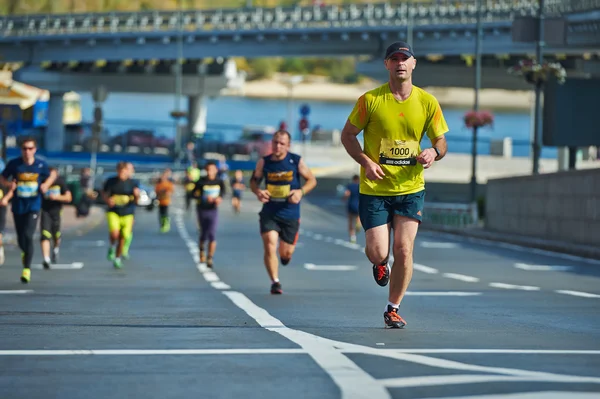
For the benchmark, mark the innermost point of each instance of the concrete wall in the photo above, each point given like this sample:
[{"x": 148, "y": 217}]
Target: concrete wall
[{"x": 562, "y": 206}]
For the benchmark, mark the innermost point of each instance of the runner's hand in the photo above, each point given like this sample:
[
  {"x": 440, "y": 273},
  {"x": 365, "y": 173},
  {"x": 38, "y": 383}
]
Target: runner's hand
[
  {"x": 373, "y": 171},
  {"x": 110, "y": 202},
  {"x": 4, "y": 202},
  {"x": 218, "y": 201},
  {"x": 43, "y": 188},
  {"x": 295, "y": 196},
  {"x": 427, "y": 157},
  {"x": 263, "y": 196}
]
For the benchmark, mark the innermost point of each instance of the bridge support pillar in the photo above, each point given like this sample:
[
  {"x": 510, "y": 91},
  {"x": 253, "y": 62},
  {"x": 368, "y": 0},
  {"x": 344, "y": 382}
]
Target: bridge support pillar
[
  {"x": 197, "y": 115},
  {"x": 54, "y": 139}
]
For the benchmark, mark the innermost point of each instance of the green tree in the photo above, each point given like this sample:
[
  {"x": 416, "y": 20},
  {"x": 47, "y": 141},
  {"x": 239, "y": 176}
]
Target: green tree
[
  {"x": 294, "y": 65},
  {"x": 263, "y": 68}
]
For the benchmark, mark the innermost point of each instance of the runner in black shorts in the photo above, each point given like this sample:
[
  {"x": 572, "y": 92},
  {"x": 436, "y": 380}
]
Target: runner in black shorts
[
  {"x": 29, "y": 178},
  {"x": 237, "y": 188},
  {"x": 280, "y": 215},
  {"x": 52, "y": 203},
  {"x": 209, "y": 193}
]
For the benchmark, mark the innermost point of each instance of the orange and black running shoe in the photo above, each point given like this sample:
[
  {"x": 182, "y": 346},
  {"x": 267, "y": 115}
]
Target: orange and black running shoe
[
  {"x": 381, "y": 273},
  {"x": 392, "y": 319}
]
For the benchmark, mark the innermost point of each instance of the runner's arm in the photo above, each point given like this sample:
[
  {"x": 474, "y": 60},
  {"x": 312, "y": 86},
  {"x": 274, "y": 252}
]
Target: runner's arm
[
  {"x": 52, "y": 175},
  {"x": 7, "y": 173},
  {"x": 307, "y": 174},
  {"x": 136, "y": 194},
  {"x": 65, "y": 194},
  {"x": 351, "y": 144},
  {"x": 442, "y": 146},
  {"x": 8, "y": 194}
]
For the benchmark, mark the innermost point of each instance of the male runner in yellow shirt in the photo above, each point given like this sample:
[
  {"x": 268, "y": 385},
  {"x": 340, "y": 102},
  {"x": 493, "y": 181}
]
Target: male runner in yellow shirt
[{"x": 394, "y": 118}]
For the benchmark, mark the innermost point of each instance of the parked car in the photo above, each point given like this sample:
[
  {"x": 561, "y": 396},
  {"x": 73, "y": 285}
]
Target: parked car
[{"x": 255, "y": 141}]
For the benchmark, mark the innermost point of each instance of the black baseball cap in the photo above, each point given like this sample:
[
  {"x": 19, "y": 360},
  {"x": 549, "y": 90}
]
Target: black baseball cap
[{"x": 399, "y": 47}]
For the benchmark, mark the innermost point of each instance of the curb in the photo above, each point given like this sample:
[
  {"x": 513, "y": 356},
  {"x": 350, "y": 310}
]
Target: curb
[{"x": 583, "y": 251}]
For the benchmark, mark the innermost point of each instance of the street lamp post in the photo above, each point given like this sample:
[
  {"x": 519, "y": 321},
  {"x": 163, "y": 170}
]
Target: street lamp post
[
  {"x": 409, "y": 25},
  {"x": 478, "y": 44},
  {"x": 292, "y": 81},
  {"x": 537, "y": 122},
  {"x": 178, "y": 81}
]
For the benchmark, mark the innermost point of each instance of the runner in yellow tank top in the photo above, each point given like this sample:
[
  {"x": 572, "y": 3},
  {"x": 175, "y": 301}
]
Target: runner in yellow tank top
[{"x": 394, "y": 118}]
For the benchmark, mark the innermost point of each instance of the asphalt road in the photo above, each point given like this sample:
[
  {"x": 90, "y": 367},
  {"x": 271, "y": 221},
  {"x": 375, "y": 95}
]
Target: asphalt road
[{"x": 484, "y": 320}]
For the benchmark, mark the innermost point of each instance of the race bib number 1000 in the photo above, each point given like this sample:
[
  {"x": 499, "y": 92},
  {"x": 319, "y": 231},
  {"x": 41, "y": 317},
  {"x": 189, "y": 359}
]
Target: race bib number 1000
[
  {"x": 398, "y": 152},
  {"x": 279, "y": 192}
]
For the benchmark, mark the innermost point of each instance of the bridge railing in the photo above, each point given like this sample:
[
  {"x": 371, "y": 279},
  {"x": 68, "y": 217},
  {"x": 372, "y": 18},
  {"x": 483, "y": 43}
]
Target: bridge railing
[{"x": 332, "y": 16}]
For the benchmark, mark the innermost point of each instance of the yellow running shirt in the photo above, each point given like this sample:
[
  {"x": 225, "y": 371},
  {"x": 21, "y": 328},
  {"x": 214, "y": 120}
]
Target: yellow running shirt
[{"x": 392, "y": 132}]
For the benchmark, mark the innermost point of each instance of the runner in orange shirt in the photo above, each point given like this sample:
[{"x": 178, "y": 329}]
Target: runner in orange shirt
[{"x": 164, "y": 189}]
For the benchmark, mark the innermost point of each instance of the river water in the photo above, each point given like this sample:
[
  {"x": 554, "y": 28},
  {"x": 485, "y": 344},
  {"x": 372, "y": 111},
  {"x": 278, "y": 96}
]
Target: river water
[{"x": 226, "y": 115}]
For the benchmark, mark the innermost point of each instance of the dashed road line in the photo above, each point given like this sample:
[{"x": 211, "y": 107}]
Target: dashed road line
[
  {"x": 514, "y": 287},
  {"x": 461, "y": 277},
  {"x": 471, "y": 279},
  {"x": 578, "y": 293}
]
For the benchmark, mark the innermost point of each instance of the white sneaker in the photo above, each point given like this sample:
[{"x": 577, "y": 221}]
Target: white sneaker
[
  {"x": 353, "y": 239},
  {"x": 1, "y": 255}
]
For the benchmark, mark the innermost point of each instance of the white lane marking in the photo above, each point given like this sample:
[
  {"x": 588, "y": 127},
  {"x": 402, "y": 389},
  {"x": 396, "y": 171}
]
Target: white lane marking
[
  {"x": 438, "y": 245},
  {"x": 503, "y": 351},
  {"x": 220, "y": 285},
  {"x": 318, "y": 237},
  {"x": 358, "y": 349},
  {"x": 380, "y": 344},
  {"x": 514, "y": 287},
  {"x": 328, "y": 239},
  {"x": 525, "y": 266},
  {"x": 442, "y": 293},
  {"x": 202, "y": 268},
  {"x": 461, "y": 277},
  {"x": 455, "y": 365},
  {"x": 577, "y": 293},
  {"x": 335, "y": 268},
  {"x": 352, "y": 381},
  {"x": 211, "y": 277},
  {"x": 409, "y": 382},
  {"x": 514, "y": 247},
  {"x": 145, "y": 352},
  {"x": 424, "y": 269},
  {"x": 406, "y": 382},
  {"x": 9, "y": 292},
  {"x": 533, "y": 395},
  {"x": 60, "y": 266}
]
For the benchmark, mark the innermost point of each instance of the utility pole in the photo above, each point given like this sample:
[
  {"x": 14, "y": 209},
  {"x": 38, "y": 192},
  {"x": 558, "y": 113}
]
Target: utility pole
[
  {"x": 178, "y": 80},
  {"x": 478, "y": 44},
  {"x": 537, "y": 122},
  {"x": 409, "y": 25}
]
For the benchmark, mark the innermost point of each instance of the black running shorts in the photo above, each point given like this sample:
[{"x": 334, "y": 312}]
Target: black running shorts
[
  {"x": 287, "y": 228},
  {"x": 50, "y": 225}
]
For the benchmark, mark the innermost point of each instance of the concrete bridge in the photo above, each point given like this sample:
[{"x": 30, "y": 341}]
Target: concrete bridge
[{"x": 444, "y": 28}]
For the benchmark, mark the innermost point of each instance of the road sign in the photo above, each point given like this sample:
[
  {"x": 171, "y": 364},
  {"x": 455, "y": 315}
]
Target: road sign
[
  {"x": 304, "y": 110},
  {"x": 303, "y": 124}
]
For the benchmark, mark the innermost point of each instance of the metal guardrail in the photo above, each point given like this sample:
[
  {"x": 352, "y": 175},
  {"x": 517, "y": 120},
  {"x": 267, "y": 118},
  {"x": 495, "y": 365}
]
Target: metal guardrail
[
  {"x": 332, "y": 16},
  {"x": 451, "y": 214}
]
